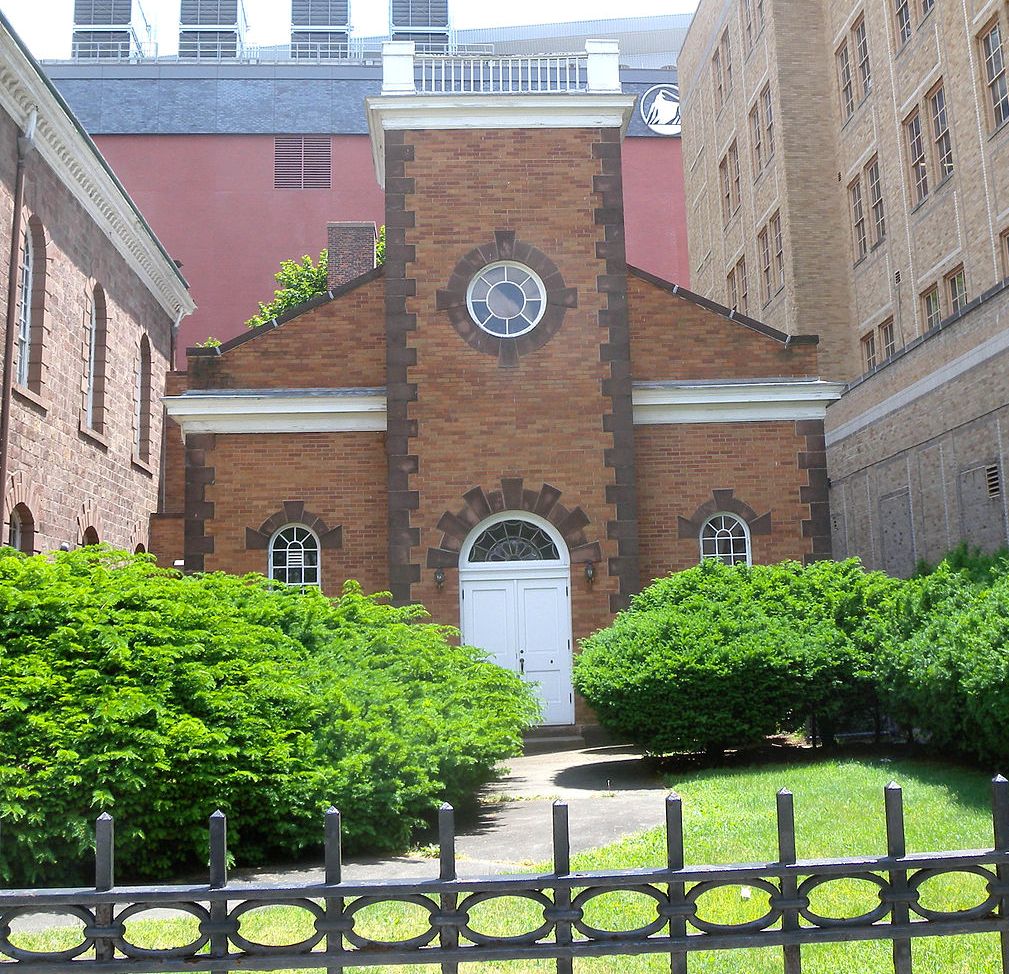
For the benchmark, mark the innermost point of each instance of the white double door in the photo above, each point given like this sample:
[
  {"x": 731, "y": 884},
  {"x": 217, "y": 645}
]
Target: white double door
[{"x": 524, "y": 622}]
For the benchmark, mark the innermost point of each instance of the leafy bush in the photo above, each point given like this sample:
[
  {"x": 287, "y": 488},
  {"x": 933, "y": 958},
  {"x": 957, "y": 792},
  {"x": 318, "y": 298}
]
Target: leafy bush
[
  {"x": 946, "y": 675},
  {"x": 716, "y": 657},
  {"x": 157, "y": 697},
  {"x": 979, "y": 566}
]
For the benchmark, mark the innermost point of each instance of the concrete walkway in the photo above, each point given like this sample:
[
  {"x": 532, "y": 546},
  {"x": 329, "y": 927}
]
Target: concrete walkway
[{"x": 610, "y": 791}]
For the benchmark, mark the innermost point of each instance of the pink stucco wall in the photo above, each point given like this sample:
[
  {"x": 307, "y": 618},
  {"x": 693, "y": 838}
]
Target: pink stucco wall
[{"x": 210, "y": 198}]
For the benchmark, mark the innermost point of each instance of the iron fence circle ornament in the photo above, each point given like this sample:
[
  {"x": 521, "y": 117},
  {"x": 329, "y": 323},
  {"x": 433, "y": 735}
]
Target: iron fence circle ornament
[
  {"x": 490, "y": 940},
  {"x": 595, "y": 933},
  {"x": 421, "y": 940},
  {"x": 759, "y": 923},
  {"x": 873, "y": 916},
  {"x": 984, "y": 908},
  {"x": 21, "y": 954},
  {"x": 254, "y": 947},
  {"x": 193, "y": 947},
  {"x": 506, "y": 299},
  {"x": 659, "y": 107}
]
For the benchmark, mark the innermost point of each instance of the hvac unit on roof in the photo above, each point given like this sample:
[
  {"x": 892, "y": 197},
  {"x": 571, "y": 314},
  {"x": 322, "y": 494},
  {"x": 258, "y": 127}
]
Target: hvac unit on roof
[
  {"x": 211, "y": 29},
  {"x": 320, "y": 29},
  {"x": 109, "y": 30},
  {"x": 425, "y": 22}
]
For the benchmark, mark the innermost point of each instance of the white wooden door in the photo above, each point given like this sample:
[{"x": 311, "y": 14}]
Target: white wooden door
[{"x": 525, "y": 625}]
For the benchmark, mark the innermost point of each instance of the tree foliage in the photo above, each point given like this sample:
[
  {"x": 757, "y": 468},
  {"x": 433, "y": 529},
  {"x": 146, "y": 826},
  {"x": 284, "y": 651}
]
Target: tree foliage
[
  {"x": 301, "y": 280},
  {"x": 717, "y": 657},
  {"x": 159, "y": 698}
]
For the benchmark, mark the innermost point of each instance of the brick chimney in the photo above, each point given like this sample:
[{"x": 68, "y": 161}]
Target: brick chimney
[{"x": 351, "y": 251}]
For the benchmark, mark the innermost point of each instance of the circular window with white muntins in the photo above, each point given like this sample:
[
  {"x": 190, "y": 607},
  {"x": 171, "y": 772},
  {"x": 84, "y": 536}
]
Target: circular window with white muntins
[{"x": 506, "y": 299}]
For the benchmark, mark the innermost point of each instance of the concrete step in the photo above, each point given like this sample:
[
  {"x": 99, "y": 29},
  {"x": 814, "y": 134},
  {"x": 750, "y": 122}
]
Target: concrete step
[{"x": 564, "y": 737}]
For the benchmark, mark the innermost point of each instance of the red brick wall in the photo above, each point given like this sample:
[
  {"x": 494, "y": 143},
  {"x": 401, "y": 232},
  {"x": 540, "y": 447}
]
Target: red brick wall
[
  {"x": 673, "y": 338},
  {"x": 477, "y": 422},
  {"x": 340, "y": 344},
  {"x": 340, "y": 477},
  {"x": 680, "y": 466},
  {"x": 68, "y": 480}
]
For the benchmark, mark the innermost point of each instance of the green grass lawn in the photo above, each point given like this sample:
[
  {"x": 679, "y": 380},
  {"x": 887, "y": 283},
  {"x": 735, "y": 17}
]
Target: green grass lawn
[{"x": 729, "y": 816}]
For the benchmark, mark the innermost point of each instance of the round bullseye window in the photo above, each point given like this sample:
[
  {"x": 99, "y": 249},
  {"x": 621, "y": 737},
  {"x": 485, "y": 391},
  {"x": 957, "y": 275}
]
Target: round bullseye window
[{"x": 506, "y": 299}]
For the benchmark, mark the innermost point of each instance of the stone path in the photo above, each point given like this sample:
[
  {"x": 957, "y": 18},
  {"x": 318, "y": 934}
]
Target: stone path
[{"x": 611, "y": 792}]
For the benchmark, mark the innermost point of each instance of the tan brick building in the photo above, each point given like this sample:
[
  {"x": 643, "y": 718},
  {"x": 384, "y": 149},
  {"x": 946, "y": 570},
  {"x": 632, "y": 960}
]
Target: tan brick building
[
  {"x": 505, "y": 422},
  {"x": 889, "y": 181},
  {"x": 91, "y": 302}
]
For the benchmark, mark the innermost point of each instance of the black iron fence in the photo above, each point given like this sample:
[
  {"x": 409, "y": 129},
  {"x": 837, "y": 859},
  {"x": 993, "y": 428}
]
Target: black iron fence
[{"x": 561, "y": 897}]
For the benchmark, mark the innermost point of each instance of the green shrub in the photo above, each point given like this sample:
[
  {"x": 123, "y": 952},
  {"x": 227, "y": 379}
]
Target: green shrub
[
  {"x": 131, "y": 689},
  {"x": 946, "y": 675},
  {"x": 979, "y": 566},
  {"x": 716, "y": 657}
]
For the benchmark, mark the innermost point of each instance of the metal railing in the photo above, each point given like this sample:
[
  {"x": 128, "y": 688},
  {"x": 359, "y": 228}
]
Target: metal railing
[
  {"x": 491, "y": 74},
  {"x": 560, "y": 897}
]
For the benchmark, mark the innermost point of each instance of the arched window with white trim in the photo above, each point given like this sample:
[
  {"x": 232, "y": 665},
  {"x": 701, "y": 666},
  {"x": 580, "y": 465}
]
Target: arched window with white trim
[
  {"x": 21, "y": 530},
  {"x": 142, "y": 404},
  {"x": 513, "y": 540},
  {"x": 727, "y": 538},
  {"x": 294, "y": 556},
  {"x": 97, "y": 352},
  {"x": 24, "y": 321}
]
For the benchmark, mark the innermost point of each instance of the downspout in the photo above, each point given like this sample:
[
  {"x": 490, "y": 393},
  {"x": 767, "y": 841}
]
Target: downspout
[
  {"x": 25, "y": 145},
  {"x": 173, "y": 342}
]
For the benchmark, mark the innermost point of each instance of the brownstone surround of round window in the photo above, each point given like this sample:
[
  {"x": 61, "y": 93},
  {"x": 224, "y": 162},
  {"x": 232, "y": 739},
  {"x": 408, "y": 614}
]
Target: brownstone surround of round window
[{"x": 452, "y": 298}]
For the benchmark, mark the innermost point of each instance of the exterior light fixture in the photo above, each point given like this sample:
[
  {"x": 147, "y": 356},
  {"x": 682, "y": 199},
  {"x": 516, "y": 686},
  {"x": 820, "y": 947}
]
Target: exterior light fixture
[
  {"x": 64, "y": 546},
  {"x": 439, "y": 577},
  {"x": 590, "y": 571}
]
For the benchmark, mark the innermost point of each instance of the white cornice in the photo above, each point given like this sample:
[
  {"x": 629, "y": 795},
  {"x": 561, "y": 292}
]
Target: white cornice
[
  {"x": 279, "y": 411},
  {"x": 520, "y": 111},
  {"x": 78, "y": 165},
  {"x": 364, "y": 410},
  {"x": 755, "y": 401}
]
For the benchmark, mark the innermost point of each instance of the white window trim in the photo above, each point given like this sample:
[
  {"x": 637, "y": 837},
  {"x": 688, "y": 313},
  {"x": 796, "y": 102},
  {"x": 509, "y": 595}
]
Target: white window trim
[
  {"x": 318, "y": 547},
  {"x": 746, "y": 534},
  {"x": 24, "y": 333}
]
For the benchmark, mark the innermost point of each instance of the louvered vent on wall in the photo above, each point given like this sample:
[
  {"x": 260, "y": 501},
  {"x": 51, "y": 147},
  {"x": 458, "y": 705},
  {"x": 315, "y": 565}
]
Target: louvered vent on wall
[
  {"x": 320, "y": 13},
  {"x": 422, "y": 14},
  {"x": 303, "y": 162},
  {"x": 102, "y": 13},
  {"x": 211, "y": 12},
  {"x": 993, "y": 479}
]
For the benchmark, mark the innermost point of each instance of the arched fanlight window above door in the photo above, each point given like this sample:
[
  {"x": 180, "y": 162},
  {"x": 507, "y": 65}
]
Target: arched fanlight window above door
[{"x": 513, "y": 540}]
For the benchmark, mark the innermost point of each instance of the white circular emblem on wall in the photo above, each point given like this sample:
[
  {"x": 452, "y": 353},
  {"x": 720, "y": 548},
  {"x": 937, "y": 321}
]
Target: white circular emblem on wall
[{"x": 660, "y": 109}]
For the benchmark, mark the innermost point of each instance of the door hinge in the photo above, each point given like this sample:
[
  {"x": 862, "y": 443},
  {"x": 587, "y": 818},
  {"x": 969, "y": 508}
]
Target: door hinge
[
  {"x": 567, "y": 591},
  {"x": 571, "y": 697}
]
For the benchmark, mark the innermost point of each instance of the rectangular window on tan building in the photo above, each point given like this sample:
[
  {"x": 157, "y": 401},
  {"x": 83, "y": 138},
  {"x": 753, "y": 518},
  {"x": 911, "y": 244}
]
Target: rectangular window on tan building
[
  {"x": 845, "y": 83},
  {"x": 887, "y": 338},
  {"x": 869, "y": 351},
  {"x": 726, "y": 61},
  {"x": 764, "y": 249},
  {"x": 874, "y": 184},
  {"x": 716, "y": 79},
  {"x": 859, "y": 237},
  {"x": 756, "y": 140},
  {"x": 746, "y": 9},
  {"x": 918, "y": 170},
  {"x": 931, "y": 310},
  {"x": 860, "y": 39},
  {"x": 778, "y": 246},
  {"x": 956, "y": 289},
  {"x": 726, "y": 187},
  {"x": 766, "y": 105},
  {"x": 1005, "y": 253},
  {"x": 734, "y": 181},
  {"x": 926, "y": 8},
  {"x": 902, "y": 21},
  {"x": 732, "y": 295},
  {"x": 742, "y": 285},
  {"x": 993, "y": 67},
  {"x": 942, "y": 146}
]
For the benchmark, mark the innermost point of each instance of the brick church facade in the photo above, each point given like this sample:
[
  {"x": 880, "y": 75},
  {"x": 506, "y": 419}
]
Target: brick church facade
[{"x": 505, "y": 422}]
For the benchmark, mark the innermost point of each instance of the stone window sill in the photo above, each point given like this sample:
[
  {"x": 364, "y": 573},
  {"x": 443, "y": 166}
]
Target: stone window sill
[
  {"x": 31, "y": 398},
  {"x": 93, "y": 435},
  {"x": 142, "y": 465}
]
